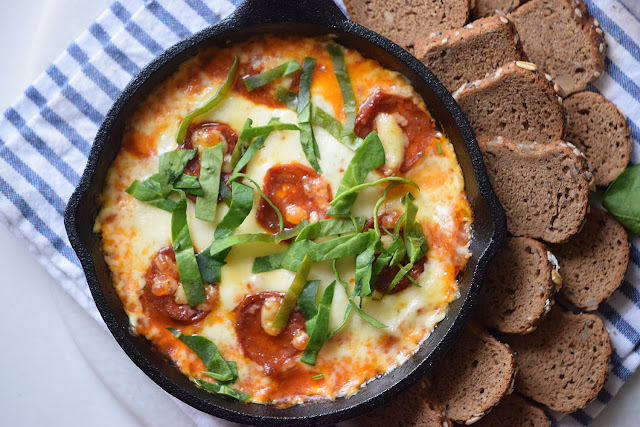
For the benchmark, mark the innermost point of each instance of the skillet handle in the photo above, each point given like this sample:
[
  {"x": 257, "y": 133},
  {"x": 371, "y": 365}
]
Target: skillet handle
[{"x": 323, "y": 12}]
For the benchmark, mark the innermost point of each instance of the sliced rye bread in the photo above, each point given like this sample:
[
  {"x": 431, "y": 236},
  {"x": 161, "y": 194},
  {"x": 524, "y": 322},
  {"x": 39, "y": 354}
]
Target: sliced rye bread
[
  {"x": 594, "y": 261},
  {"x": 470, "y": 53},
  {"x": 416, "y": 407},
  {"x": 600, "y": 131},
  {"x": 519, "y": 287},
  {"x": 516, "y": 102},
  {"x": 404, "y": 22},
  {"x": 484, "y": 8},
  {"x": 474, "y": 375},
  {"x": 563, "y": 40},
  {"x": 514, "y": 411},
  {"x": 563, "y": 364},
  {"x": 544, "y": 189}
]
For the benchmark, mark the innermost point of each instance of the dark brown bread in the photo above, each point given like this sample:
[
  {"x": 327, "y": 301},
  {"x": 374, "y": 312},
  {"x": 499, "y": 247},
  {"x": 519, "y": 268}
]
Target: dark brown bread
[
  {"x": 600, "y": 131},
  {"x": 416, "y": 407},
  {"x": 563, "y": 363},
  {"x": 515, "y": 102},
  {"x": 514, "y": 411},
  {"x": 594, "y": 261},
  {"x": 519, "y": 287},
  {"x": 470, "y": 53},
  {"x": 406, "y": 21},
  {"x": 562, "y": 39},
  {"x": 474, "y": 375},
  {"x": 483, "y": 8},
  {"x": 544, "y": 189}
]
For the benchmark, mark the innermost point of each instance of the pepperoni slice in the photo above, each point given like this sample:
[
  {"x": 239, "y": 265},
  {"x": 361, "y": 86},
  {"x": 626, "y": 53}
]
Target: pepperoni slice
[
  {"x": 162, "y": 282},
  {"x": 419, "y": 127},
  {"x": 269, "y": 351},
  {"x": 297, "y": 191},
  {"x": 263, "y": 94},
  {"x": 388, "y": 273}
]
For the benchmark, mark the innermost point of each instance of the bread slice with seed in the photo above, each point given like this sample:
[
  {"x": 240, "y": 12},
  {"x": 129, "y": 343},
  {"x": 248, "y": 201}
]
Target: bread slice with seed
[
  {"x": 600, "y": 131},
  {"x": 513, "y": 411},
  {"x": 416, "y": 407},
  {"x": 484, "y": 8},
  {"x": 474, "y": 375},
  {"x": 519, "y": 287},
  {"x": 594, "y": 261},
  {"x": 544, "y": 189},
  {"x": 515, "y": 102},
  {"x": 562, "y": 39},
  {"x": 470, "y": 53},
  {"x": 404, "y": 22},
  {"x": 563, "y": 364}
]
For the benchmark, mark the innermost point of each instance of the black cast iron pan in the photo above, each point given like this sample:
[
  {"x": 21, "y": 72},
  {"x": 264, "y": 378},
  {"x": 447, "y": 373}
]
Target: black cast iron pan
[{"x": 283, "y": 17}]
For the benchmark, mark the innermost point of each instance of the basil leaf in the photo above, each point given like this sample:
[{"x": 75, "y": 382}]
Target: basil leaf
[
  {"x": 416, "y": 243},
  {"x": 185, "y": 255},
  {"x": 172, "y": 163},
  {"x": 239, "y": 239},
  {"x": 622, "y": 198},
  {"x": 364, "y": 264},
  {"x": 267, "y": 263},
  {"x": 404, "y": 270},
  {"x": 149, "y": 191},
  {"x": 318, "y": 327},
  {"x": 189, "y": 184},
  {"x": 368, "y": 157},
  {"x": 253, "y": 149},
  {"x": 410, "y": 211},
  {"x": 353, "y": 306},
  {"x": 249, "y": 133},
  {"x": 293, "y": 293},
  {"x": 287, "y": 97},
  {"x": 395, "y": 250},
  {"x": 307, "y": 299},
  {"x": 216, "y": 99},
  {"x": 344, "y": 81},
  {"x": 225, "y": 192},
  {"x": 241, "y": 205},
  {"x": 354, "y": 190},
  {"x": 331, "y": 227},
  {"x": 264, "y": 196},
  {"x": 271, "y": 75},
  {"x": 307, "y": 138},
  {"x": 208, "y": 352},
  {"x": 210, "y": 172},
  {"x": 210, "y": 266},
  {"x": 244, "y": 141},
  {"x": 222, "y": 389}
]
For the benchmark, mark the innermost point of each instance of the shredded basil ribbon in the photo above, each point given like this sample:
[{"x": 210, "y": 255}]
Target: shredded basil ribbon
[
  {"x": 185, "y": 256},
  {"x": 364, "y": 263},
  {"x": 307, "y": 300},
  {"x": 189, "y": 184},
  {"x": 210, "y": 171},
  {"x": 220, "y": 369},
  {"x": 239, "y": 239},
  {"x": 307, "y": 138},
  {"x": 291, "y": 296},
  {"x": 368, "y": 157},
  {"x": 251, "y": 150},
  {"x": 249, "y": 133},
  {"x": 332, "y": 227},
  {"x": 344, "y": 81},
  {"x": 216, "y": 99},
  {"x": 222, "y": 390},
  {"x": 622, "y": 198},
  {"x": 264, "y": 196},
  {"x": 353, "y": 306},
  {"x": 241, "y": 205},
  {"x": 319, "y": 118},
  {"x": 318, "y": 327},
  {"x": 156, "y": 189},
  {"x": 271, "y": 75}
]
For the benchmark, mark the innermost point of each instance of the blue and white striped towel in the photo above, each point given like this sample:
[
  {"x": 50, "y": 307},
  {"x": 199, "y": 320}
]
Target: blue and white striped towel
[{"x": 46, "y": 136}]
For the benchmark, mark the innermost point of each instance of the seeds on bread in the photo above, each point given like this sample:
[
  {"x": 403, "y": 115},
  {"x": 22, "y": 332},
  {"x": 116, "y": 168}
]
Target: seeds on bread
[
  {"x": 474, "y": 375},
  {"x": 563, "y": 40},
  {"x": 404, "y": 22},
  {"x": 600, "y": 131},
  {"x": 594, "y": 261},
  {"x": 563, "y": 364},
  {"x": 484, "y": 8},
  {"x": 519, "y": 287},
  {"x": 516, "y": 102},
  {"x": 513, "y": 411},
  {"x": 470, "y": 53},
  {"x": 544, "y": 189}
]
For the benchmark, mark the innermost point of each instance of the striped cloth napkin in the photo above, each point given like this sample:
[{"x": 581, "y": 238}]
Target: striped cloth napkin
[{"x": 46, "y": 136}]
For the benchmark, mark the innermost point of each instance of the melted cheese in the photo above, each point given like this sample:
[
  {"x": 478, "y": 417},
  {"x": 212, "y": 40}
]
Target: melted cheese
[{"x": 132, "y": 232}]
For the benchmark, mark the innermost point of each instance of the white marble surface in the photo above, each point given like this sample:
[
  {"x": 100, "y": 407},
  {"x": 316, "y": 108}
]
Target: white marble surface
[{"x": 58, "y": 367}]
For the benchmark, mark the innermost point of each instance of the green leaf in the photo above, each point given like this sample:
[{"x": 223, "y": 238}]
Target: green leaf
[
  {"x": 210, "y": 266},
  {"x": 318, "y": 327},
  {"x": 216, "y": 99},
  {"x": 368, "y": 157},
  {"x": 287, "y": 97},
  {"x": 331, "y": 227},
  {"x": 307, "y": 138},
  {"x": 185, "y": 255},
  {"x": 222, "y": 389},
  {"x": 208, "y": 352},
  {"x": 344, "y": 81},
  {"x": 264, "y": 196},
  {"x": 293, "y": 293},
  {"x": 622, "y": 198},
  {"x": 189, "y": 184},
  {"x": 253, "y": 149},
  {"x": 249, "y": 133},
  {"x": 267, "y": 263},
  {"x": 241, "y": 205},
  {"x": 364, "y": 264},
  {"x": 307, "y": 300},
  {"x": 271, "y": 75},
  {"x": 149, "y": 191},
  {"x": 353, "y": 306},
  {"x": 356, "y": 189},
  {"x": 239, "y": 239},
  {"x": 210, "y": 172},
  {"x": 309, "y": 145}
]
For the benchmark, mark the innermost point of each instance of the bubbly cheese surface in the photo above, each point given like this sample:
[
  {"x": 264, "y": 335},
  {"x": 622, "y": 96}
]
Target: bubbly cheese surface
[{"x": 133, "y": 232}]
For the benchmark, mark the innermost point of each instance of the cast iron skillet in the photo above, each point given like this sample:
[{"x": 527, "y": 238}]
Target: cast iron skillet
[{"x": 282, "y": 17}]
